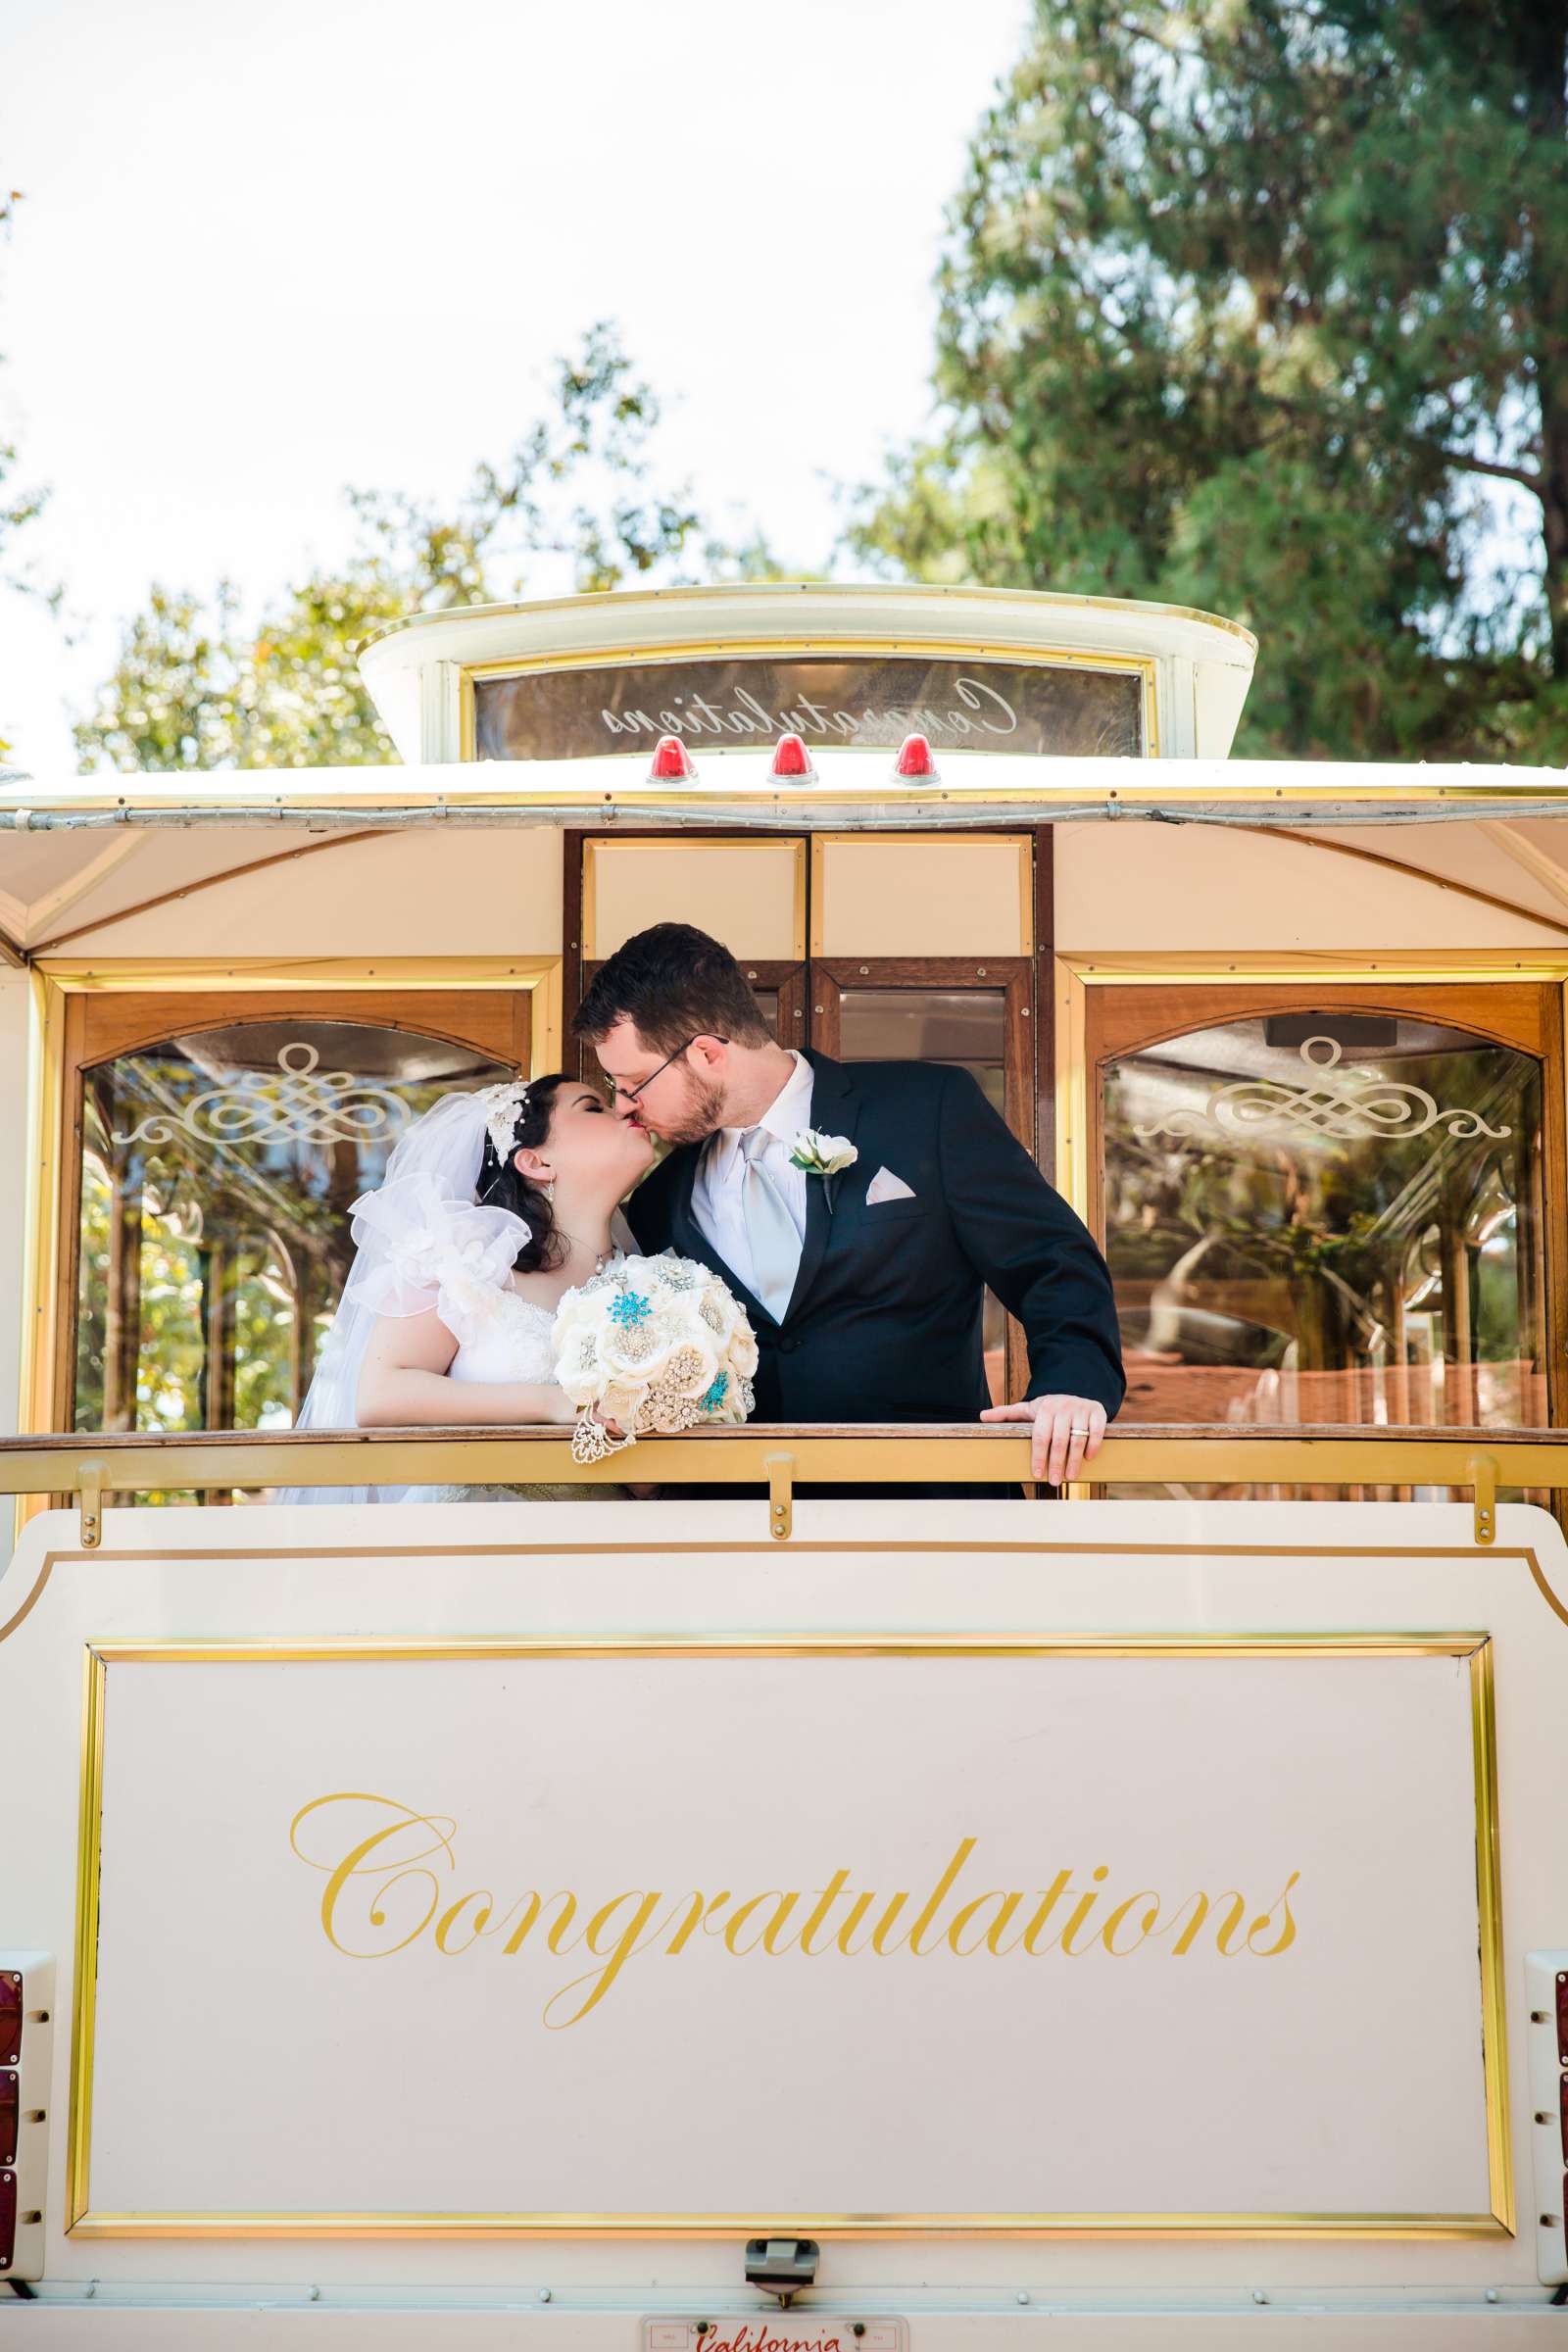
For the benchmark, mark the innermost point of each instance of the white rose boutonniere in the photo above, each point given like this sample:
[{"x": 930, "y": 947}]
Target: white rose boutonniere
[
  {"x": 825, "y": 1155},
  {"x": 822, "y": 1155}
]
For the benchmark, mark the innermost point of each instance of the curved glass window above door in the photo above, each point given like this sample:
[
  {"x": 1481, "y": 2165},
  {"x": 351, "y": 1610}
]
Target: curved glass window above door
[
  {"x": 217, "y": 1173},
  {"x": 1328, "y": 1218}
]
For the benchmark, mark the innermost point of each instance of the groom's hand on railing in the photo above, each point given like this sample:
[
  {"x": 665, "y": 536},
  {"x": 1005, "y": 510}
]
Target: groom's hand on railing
[{"x": 1066, "y": 1434}]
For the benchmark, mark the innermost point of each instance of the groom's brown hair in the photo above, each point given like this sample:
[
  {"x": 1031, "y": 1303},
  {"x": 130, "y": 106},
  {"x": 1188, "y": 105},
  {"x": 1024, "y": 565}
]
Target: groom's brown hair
[{"x": 672, "y": 983}]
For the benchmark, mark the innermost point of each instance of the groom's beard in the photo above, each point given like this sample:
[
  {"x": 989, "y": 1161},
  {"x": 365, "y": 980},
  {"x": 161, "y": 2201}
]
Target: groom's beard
[{"x": 702, "y": 1115}]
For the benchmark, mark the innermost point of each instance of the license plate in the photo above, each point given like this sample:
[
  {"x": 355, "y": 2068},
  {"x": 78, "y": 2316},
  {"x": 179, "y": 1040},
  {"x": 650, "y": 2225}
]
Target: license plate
[{"x": 775, "y": 2332}]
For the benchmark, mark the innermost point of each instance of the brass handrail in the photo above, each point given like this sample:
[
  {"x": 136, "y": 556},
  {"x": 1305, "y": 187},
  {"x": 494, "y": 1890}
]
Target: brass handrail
[{"x": 777, "y": 1458}]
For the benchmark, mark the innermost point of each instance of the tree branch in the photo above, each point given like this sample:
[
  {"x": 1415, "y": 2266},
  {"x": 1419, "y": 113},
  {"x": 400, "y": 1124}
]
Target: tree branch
[
  {"x": 1469, "y": 464},
  {"x": 1465, "y": 459}
]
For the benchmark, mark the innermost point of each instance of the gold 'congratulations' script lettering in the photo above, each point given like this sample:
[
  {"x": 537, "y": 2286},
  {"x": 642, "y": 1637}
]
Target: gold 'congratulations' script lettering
[{"x": 389, "y": 1883}]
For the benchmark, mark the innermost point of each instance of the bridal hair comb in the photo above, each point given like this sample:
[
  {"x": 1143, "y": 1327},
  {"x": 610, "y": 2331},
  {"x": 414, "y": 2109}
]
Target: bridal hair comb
[{"x": 504, "y": 1107}]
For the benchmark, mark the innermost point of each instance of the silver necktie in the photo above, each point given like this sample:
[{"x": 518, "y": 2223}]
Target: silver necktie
[{"x": 769, "y": 1228}]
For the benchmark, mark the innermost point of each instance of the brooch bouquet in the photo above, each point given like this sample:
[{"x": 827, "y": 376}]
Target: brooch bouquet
[{"x": 654, "y": 1344}]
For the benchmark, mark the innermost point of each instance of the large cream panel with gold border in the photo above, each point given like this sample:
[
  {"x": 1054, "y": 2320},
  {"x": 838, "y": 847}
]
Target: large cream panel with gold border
[
  {"x": 612, "y": 1698},
  {"x": 939, "y": 1890}
]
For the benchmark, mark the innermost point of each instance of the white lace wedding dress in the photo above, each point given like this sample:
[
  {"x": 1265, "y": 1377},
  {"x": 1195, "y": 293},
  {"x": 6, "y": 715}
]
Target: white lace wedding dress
[
  {"x": 510, "y": 1342},
  {"x": 423, "y": 1241},
  {"x": 502, "y": 1337}
]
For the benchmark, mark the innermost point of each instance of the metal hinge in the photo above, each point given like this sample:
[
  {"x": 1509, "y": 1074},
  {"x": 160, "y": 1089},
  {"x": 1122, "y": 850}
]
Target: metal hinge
[
  {"x": 1484, "y": 1494},
  {"x": 780, "y": 1468},
  {"x": 90, "y": 1498}
]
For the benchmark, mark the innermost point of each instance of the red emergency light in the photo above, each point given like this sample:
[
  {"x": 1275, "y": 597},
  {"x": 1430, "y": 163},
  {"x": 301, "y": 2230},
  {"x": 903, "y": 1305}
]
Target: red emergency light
[
  {"x": 792, "y": 761},
  {"x": 671, "y": 763},
  {"x": 915, "y": 763}
]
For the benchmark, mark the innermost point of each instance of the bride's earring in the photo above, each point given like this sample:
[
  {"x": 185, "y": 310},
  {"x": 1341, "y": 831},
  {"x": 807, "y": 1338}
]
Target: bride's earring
[{"x": 550, "y": 1192}]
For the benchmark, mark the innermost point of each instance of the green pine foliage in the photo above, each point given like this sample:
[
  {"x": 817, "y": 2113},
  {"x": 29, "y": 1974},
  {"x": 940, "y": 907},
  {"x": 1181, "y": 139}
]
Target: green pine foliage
[{"x": 1262, "y": 306}]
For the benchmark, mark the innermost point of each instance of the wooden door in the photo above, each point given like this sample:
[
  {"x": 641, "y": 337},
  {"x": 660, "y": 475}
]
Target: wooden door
[{"x": 964, "y": 1009}]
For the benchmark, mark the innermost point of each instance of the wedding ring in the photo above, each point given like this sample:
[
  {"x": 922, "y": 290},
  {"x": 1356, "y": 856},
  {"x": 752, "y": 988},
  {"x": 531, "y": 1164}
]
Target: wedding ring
[{"x": 1076, "y": 1432}]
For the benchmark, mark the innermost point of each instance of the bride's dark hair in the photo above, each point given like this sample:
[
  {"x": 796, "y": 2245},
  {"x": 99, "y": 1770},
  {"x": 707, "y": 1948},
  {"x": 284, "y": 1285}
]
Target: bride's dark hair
[{"x": 503, "y": 1185}]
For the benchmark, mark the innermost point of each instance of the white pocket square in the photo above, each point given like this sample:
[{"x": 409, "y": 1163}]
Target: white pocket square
[{"x": 885, "y": 1186}]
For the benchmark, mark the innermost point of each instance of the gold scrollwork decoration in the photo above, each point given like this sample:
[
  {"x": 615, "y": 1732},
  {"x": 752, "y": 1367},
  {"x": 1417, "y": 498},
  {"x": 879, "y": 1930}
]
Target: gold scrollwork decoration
[
  {"x": 1351, "y": 1107},
  {"x": 299, "y": 1107}
]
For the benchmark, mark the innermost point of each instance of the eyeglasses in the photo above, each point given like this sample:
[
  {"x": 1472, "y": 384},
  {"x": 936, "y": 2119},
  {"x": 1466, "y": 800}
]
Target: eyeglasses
[{"x": 629, "y": 1094}]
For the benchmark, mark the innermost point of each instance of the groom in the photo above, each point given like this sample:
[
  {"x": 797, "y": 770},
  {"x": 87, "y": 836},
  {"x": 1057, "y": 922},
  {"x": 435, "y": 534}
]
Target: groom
[{"x": 865, "y": 1287}]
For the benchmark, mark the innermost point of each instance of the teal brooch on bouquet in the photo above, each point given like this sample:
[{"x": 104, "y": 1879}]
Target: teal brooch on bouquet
[{"x": 653, "y": 1344}]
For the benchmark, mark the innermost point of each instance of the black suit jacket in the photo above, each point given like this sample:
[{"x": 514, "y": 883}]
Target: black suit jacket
[{"x": 884, "y": 1323}]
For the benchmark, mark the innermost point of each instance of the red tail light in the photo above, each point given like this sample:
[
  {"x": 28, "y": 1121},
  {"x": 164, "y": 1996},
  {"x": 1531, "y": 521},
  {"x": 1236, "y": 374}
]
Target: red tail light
[
  {"x": 792, "y": 761},
  {"x": 915, "y": 763},
  {"x": 672, "y": 762}
]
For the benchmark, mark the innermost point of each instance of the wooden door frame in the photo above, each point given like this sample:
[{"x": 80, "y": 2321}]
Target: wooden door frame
[
  {"x": 814, "y": 991},
  {"x": 1035, "y": 1061},
  {"x": 1044, "y": 1022},
  {"x": 832, "y": 976},
  {"x": 1516, "y": 1000}
]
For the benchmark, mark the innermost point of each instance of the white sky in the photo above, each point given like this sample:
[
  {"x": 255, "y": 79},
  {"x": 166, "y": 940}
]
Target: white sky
[{"x": 267, "y": 252}]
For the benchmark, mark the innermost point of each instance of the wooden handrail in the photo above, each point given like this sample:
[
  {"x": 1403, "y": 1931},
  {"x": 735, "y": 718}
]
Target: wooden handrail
[
  {"x": 1119, "y": 1438},
  {"x": 777, "y": 1458}
]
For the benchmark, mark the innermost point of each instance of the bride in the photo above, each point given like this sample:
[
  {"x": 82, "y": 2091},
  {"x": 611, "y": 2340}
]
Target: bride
[{"x": 493, "y": 1206}]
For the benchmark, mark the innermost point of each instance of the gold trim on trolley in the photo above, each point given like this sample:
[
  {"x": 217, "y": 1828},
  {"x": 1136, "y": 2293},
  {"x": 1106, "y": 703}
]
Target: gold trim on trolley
[
  {"x": 689, "y": 1548},
  {"x": 118, "y": 975},
  {"x": 1489, "y": 1894},
  {"x": 912, "y": 1453},
  {"x": 85, "y": 1975},
  {"x": 1336, "y": 968},
  {"x": 42, "y": 1238},
  {"x": 1474, "y": 1648}
]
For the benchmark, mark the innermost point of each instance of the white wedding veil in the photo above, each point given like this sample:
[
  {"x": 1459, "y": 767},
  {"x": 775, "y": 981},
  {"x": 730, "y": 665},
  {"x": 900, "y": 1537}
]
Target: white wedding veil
[{"x": 418, "y": 1237}]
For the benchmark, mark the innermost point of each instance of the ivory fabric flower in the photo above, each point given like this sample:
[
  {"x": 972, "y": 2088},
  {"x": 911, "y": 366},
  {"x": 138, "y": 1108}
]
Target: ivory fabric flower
[
  {"x": 434, "y": 1252},
  {"x": 822, "y": 1155},
  {"x": 653, "y": 1344}
]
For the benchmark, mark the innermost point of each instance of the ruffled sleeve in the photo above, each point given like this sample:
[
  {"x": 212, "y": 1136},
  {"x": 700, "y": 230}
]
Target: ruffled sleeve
[{"x": 419, "y": 1249}]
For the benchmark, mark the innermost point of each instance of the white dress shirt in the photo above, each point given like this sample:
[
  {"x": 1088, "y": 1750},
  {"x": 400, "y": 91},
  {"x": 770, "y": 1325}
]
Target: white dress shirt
[{"x": 716, "y": 1190}]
